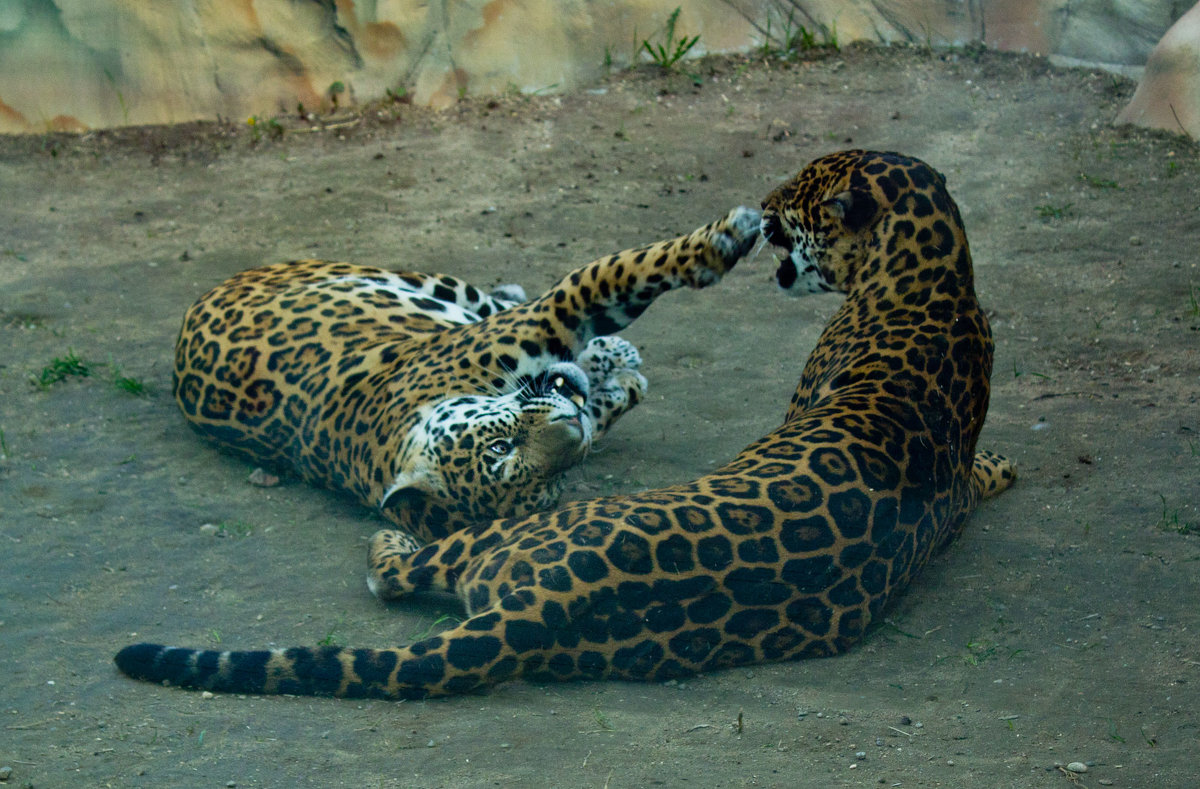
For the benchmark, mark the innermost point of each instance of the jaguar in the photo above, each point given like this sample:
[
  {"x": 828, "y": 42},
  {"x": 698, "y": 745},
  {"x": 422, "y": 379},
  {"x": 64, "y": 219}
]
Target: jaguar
[
  {"x": 791, "y": 550},
  {"x": 421, "y": 395}
]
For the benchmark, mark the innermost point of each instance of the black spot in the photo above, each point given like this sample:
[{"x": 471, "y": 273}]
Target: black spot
[
  {"x": 374, "y": 667},
  {"x": 555, "y": 579},
  {"x": 782, "y": 643},
  {"x": 315, "y": 671},
  {"x": 845, "y": 594},
  {"x": 669, "y": 590},
  {"x": 674, "y": 554},
  {"x": 709, "y": 608},
  {"x": 729, "y": 654},
  {"x": 639, "y": 660},
  {"x": 855, "y": 554},
  {"x": 525, "y": 636},
  {"x": 832, "y": 466},
  {"x": 588, "y": 566},
  {"x": 665, "y": 618},
  {"x": 478, "y": 598},
  {"x": 592, "y": 664},
  {"x": 810, "y": 614},
  {"x": 756, "y": 586},
  {"x": 633, "y": 595},
  {"x": 694, "y": 519},
  {"x": 468, "y": 652},
  {"x": 795, "y": 494},
  {"x": 874, "y": 578},
  {"x": 630, "y": 553},
  {"x": 745, "y": 518},
  {"x": 751, "y": 622},
  {"x": 850, "y": 510},
  {"x": 561, "y": 664},
  {"x": 482, "y": 623},
  {"x": 714, "y": 553},
  {"x": 812, "y": 575},
  {"x": 804, "y": 535},
  {"x": 502, "y": 669},
  {"x": 875, "y": 468},
  {"x": 762, "y": 550},
  {"x": 695, "y": 645},
  {"x": 591, "y": 534}
]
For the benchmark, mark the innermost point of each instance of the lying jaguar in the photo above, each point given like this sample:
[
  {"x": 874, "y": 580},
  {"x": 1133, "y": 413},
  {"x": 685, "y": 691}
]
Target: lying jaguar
[
  {"x": 420, "y": 395},
  {"x": 789, "y": 551}
]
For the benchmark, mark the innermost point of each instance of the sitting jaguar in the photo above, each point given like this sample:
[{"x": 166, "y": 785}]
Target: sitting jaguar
[
  {"x": 420, "y": 395},
  {"x": 789, "y": 551}
]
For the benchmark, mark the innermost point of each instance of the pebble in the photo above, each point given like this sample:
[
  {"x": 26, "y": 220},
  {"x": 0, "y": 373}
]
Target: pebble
[
  {"x": 1077, "y": 767},
  {"x": 5, "y": 773},
  {"x": 206, "y": 694},
  {"x": 209, "y": 528},
  {"x": 1105, "y": 782}
]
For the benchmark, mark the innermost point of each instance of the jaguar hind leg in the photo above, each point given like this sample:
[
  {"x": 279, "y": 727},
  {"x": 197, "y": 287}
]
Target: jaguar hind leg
[
  {"x": 387, "y": 562},
  {"x": 993, "y": 473}
]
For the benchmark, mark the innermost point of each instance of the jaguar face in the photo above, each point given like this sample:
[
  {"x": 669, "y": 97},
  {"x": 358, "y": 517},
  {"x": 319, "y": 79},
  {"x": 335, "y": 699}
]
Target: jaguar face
[
  {"x": 822, "y": 220},
  {"x": 487, "y": 457}
]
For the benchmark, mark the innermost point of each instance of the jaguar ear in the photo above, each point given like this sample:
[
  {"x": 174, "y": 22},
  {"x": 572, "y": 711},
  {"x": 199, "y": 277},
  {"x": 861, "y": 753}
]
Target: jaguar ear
[
  {"x": 856, "y": 208},
  {"x": 409, "y": 490}
]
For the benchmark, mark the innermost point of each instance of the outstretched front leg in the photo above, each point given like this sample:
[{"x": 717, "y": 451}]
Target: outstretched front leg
[{"x": 608, "y": 294}]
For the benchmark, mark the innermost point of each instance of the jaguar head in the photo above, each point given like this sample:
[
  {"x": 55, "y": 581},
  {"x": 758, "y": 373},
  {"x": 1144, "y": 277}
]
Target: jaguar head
[
  {"x": 823, "y": 221},
  {"x": 476, "y": 458}
]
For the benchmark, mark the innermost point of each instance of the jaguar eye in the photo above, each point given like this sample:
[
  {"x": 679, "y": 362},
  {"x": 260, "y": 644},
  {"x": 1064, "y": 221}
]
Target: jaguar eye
[
  {"x": 500, "y": 447},
  {"x": 564, "y": 387}
]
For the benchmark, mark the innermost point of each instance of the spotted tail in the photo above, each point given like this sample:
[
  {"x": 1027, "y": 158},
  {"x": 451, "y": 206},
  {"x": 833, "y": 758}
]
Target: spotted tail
[{"x": 415, "y": 672}]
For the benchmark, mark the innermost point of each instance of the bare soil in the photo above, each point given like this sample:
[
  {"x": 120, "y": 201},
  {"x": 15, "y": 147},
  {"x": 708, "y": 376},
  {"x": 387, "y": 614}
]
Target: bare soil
[{"x": 1063, "y": 627}]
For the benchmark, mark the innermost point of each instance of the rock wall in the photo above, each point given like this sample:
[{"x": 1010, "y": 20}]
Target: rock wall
[{"x": 79, "y": 64}]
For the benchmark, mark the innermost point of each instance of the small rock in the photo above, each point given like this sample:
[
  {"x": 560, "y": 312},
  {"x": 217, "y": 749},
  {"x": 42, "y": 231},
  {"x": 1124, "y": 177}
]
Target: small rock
[
  {"x": 209, "y": 528},
  {"x": 1077, "y": 767},
  {"x": 860, "y": 754},
  {"x": 5, "y": 773},
  {"x": 263, "y": 479},
  {"x": 1105, "y": 782},
  {"x": 1135, "y": 241},
  {"x": 206, "y": 694}
]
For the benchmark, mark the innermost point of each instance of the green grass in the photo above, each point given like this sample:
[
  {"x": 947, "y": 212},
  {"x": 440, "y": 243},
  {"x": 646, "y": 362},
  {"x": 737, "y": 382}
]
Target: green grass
[
  {"x": 1170, "y": 520},
  {"x": 670, "y": 50},
  {"x": 1099, "y": 183},
  {"x": 441, "y": 623},
  {"x": 60, "y": 369},
  {"x": 1047, "y": 211}
]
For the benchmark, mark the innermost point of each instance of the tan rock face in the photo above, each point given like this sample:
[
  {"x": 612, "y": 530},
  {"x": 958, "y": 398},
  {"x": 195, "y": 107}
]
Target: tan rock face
[
  {"x": 1168, "y": 96},
  {"x": 74, "y": 64}
]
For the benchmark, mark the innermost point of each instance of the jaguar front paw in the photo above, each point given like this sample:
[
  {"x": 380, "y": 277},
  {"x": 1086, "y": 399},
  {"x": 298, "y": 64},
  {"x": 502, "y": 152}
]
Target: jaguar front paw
[
  {"x": 738, "y": 233},
  {"x": 604, "y": 356},
  {"x": 727, "y": 241}
]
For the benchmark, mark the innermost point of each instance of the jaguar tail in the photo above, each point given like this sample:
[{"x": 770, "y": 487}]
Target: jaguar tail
[{"x": 466, "y": 658}]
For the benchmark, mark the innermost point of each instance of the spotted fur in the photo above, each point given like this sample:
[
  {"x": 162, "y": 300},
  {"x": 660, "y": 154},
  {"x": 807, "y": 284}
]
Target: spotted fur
[
  {"x": 419, "y": 394},
  {"x": 789, "y": 551}
]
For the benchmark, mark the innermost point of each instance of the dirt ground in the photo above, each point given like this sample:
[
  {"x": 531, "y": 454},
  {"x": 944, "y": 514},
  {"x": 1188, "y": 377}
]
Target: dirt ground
[{"x": 1063, "y": 627}]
